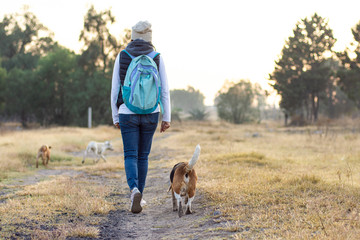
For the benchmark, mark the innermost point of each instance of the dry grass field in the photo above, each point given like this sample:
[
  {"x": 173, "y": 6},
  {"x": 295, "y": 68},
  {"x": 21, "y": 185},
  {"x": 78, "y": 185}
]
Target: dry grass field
[{"x": 266, "y": 181}]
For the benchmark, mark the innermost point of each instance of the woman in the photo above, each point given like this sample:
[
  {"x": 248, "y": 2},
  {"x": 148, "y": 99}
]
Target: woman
[{"x": 137, "y": 130}]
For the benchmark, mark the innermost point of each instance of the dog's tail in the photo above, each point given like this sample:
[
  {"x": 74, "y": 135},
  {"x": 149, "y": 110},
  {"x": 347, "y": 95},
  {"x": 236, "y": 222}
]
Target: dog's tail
[{"x": 195, "y": 157}]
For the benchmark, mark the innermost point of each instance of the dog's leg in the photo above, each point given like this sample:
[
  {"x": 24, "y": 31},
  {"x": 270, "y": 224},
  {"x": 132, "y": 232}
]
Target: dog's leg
[
  {"x": 103, "y": 157},
  {"x": 37, "y": 161},
  {"x": 96, "y": 152},
  {"x": 175, "y": 206},
  {"x": 188, "y": 206},
  {"x": 85, "y": 153},
  {"x": 43, "y": 157},
  {"x": 47, "y": 158},
  {"x": 179, "y": 203},
  {"x": 180, "y": 212}
]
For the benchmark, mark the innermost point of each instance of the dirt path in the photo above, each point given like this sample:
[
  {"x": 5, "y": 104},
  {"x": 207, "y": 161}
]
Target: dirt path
[{"x": 157, "y": 220}]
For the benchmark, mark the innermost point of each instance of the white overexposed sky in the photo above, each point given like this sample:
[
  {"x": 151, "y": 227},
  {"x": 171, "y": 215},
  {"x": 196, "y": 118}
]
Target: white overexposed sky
[{"x": 203, "y": 42}]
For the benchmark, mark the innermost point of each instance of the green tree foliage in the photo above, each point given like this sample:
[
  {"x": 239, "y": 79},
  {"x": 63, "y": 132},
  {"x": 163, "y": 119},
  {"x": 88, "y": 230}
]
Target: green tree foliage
[
  {"x": 64, "y": 92},
  {"x": 349, "y": 73},
  {"x": 301, "y": 74},
  {"x": 187, "y": 100},
  {"x": 239, "y": 102},
  {"x": 334, "y": 102},
  {"x": 2, "y": 88},
  {"x": 57, "y": 88},
  {"x": 18, "y": 94},
  {"x": 98, "y": 92}
]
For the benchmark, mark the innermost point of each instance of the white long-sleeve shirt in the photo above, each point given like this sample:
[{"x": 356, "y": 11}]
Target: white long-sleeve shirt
[{"x": 164, "y": 97}]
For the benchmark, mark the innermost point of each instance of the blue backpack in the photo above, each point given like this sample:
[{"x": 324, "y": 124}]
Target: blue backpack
[{"x": 142, "y": 86}]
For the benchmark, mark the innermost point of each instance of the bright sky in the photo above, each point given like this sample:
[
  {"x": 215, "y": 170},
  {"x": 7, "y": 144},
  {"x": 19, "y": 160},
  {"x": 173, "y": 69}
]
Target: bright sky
[{"x": 203, "y": 42}]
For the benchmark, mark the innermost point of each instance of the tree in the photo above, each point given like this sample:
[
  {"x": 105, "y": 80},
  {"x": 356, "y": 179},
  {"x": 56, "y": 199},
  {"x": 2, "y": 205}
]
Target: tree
[
  {"x": 187, "y": 100},
  {"x": 100, "y": 46},
  {"x": 236, "y": 102},
  {"x": 22, "y": 40},
  {"x": 349, "y": 73},
  {"x": 301, "y": 74}
]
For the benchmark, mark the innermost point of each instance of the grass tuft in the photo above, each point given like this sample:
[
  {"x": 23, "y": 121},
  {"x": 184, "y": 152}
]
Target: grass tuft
[
  {"x": 253, "y": 159},
  {"x": 82, "y": 231},
  {"x": 304, "y": 180}
]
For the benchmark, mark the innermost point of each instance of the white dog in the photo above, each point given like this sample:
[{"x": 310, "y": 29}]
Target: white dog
[{"x": 98, "y": 148}]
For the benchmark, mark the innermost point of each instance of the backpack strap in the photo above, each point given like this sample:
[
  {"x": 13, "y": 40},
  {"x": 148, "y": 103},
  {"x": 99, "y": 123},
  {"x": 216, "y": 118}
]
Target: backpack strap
[
  {"x": 153, "y": 54},
  {"x": 132, "y": 57}
]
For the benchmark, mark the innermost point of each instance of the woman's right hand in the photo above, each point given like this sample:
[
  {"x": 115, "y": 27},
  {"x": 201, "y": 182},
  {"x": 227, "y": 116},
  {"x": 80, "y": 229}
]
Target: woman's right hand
[{"x": 164, "y": 126}]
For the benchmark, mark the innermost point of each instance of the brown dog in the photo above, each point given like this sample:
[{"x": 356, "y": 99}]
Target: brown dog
[
  {"x": 44, "y": 153},
  {"x": 183, "y": 180}
]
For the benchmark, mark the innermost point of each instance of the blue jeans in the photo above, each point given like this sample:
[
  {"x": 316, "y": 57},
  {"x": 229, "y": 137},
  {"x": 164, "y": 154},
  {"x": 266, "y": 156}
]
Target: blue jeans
[{"x": 137, "y": 132}]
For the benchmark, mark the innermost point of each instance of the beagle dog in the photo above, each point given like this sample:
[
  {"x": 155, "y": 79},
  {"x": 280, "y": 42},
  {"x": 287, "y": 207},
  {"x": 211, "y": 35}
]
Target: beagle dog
[
  {"x": 44, "y": 153},
  {"x": 183, "y": 180}
]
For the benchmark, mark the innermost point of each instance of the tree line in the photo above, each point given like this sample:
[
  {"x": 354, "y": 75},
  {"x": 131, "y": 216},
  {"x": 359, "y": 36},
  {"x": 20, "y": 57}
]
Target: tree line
[{"x": 42, "y": 81}]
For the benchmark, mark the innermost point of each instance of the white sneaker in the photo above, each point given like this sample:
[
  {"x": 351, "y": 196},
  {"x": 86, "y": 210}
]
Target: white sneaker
[
  {"x": 143, "y": 202},
  {"x": 135, "y": 201}
]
